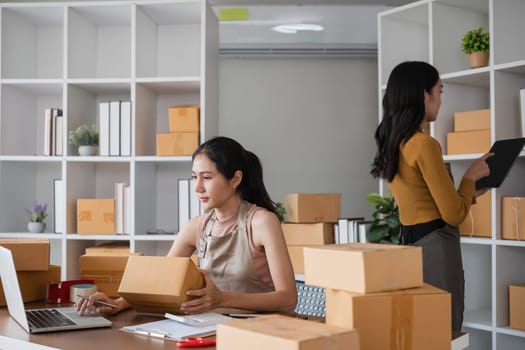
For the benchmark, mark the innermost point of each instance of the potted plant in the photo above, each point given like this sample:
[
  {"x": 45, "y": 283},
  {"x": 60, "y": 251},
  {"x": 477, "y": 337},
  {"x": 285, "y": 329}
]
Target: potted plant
[
  {"x": 476, "y": 44},
  {"x": 385, "y": 226},
  {"x": 86, "y": 138},
  {"x": 36, "y": 217}
]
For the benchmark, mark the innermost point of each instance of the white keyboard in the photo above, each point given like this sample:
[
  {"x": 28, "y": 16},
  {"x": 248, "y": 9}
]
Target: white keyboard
[{"x": 199, "y": 320}]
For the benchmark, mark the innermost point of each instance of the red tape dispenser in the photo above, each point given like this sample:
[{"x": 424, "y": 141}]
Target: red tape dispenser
[
  {"x": 58, "y": 292},
  {"x": 196, "y": 342}
]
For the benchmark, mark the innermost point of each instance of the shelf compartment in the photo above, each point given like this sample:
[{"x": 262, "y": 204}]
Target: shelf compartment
[
  {"x": 40, "y": 54},
  {"x": 154, "y": 248},
  {"x": 507, "y": 86},
  {"x": 477, "y": 264},
  {"x": 509, "y": 270},
  {"x": 508, "y": 43},
  {"x": 479, "y": 339},
  {"x": 168, "y": 39},
  {"x": 514, "y": 341}
]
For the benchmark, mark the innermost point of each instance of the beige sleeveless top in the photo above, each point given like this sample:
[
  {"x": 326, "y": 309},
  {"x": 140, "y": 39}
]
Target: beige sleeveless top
[{"x": 229, "y": 256}]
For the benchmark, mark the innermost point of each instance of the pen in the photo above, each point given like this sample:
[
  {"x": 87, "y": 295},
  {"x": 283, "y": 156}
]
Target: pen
[
  {"x": 241, "y": 315},
  {"x": 99, "y": 303}
]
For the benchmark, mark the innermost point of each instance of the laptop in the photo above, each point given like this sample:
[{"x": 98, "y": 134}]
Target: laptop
[
  {"x": 40, "y": 320},
  {"x": 505, "y": 153}
]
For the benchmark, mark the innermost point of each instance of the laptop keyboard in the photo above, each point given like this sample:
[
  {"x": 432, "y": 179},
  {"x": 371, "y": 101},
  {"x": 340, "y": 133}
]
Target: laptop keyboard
[{"x": 47, "y": 318}]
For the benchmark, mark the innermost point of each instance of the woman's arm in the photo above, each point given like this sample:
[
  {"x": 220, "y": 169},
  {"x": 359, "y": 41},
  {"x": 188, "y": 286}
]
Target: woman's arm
[{"x": 184, "y": 243}]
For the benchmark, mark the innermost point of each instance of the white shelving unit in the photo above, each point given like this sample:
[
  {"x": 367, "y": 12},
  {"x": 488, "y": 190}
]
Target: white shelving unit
[
  {"x": 74, "y": 55},
  {"x": 431, "y": 30}
]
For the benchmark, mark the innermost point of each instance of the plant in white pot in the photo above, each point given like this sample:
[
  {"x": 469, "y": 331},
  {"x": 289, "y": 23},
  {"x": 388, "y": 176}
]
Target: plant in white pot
[
  {"x": 476, "y": 44},
  {"x": 86, "y": 138},
  {"x": 36, "y": 216}
]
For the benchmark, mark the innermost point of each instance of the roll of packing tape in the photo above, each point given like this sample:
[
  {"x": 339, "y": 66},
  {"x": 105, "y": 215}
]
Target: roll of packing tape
[{"x": 81, "y": 290}]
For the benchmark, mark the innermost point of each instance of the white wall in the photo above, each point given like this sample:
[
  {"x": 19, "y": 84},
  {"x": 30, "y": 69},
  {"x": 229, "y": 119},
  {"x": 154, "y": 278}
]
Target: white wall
[{"x": 310, "y": 121}]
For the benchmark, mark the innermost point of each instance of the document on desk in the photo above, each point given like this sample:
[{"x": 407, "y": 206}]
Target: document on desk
[
  {"x": 7, "y": 343},
  {"x": 170, "y": 329}
]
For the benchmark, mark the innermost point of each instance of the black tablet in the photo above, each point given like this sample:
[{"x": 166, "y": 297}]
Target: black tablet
[{"x": 505, "y": 153}]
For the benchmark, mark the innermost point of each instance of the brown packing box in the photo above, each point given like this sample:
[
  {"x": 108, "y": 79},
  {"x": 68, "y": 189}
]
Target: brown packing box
[
  {"x": 312, "y": 207},
  {"x": 28, "y": 254},
  {"x": 466, "y": 142},
  {"x": 96, "y": 216},
  {"x": 177, "y": 143},
  {"x": 363, "y": 267},
  {"x": 33, "y": 284},
  {"x": 296, "y": 253},
  {"x": 517, "y": 306},
  {"x": 158, "y": 284},
  {"x": 113, "y": 248},
  {"x": 280, "y": 332},
  {"x": 184, "y": 118},
  {"x": 513, "y": 218},
  {"x": 478, "y": 222},
  {"x": 472, "y": 120},
  {"x": 106, "y": 271},
  {"x": 415, "y": 318},
  {"x": 308, "y": 234}
]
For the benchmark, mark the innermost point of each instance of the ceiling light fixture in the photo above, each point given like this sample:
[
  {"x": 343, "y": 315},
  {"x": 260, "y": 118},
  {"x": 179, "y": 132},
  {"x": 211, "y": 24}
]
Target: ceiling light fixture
[{"x": 294, "y": 28}]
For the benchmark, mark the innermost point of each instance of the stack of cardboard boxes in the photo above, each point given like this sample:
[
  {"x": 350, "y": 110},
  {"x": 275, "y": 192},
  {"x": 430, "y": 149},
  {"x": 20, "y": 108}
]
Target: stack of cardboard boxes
[
  {"x": 31, "y": 258},
  {"x": 309, "y": 221},
  {"x": 183, "y": 136},
  {"x": 471, "y": 132}
]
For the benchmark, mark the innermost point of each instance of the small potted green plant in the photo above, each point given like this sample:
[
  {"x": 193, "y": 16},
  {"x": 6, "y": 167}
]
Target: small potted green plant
[
  {"x": 476, "y": 44},
  {"x": 86, "y": 138},
  {"x": 36, "y": 216},
  {"x": 385, "y": 226}
]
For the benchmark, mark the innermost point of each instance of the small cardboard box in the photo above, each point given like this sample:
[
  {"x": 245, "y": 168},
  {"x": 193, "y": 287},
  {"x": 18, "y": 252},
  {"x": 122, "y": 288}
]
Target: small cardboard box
[
  {"x": 308, "y": 234},
  {"x": 184, "y": 118},
  {"x": 472, "y": 120},
  {"x": 517, "y": 306},
  {"x": 28, "y": 254},
  {"x": 415, "y": 318},
  {"x": 296, "y": 253},
  {"x": 466, "y": 142},
  {"x": 96, "y": 216},
  {"x": 312, "y": 207},
  {"x": 513, "y": 218},
  {"x": 363, "y": 267},
  {"x": 158, "y": 284},
  {"x": 113, "y": 248},
  {"x": 177, "y": 143},
  {"x": 283, "y": 333},
  {"x": 33, "y": 284},
  {"x": 478, "y": 222},
  {"x": 105, "y": 271}
]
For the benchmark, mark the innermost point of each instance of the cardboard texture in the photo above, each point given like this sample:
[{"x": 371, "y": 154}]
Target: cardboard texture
[
  {"x": 415, "y": 318},
  {"x": 363, "y": 267},
  {"x": 283, "y": 333},
  {"x": 177, "y": 143},
  {"x": 28, "y": 254},
  {"x": 296, "y": 253},
  {"x": 478, "y": 222},
  {"x": 184, "y": 118},
  {"x": 96, "y": 216},
  {"x": 513, "y": 218},
  {"x": 466, "y": 142},
  {"x": 113, "y": 248},
  {"x": 105, "y": 271},
  {"x": 33, "y": 284},
  {"x": 158, "y": 284},
  {"x": 312, "y": 207},
  {"x": 472, "y": 120},
  {"x": 517, "y": 306},
  {"x": 308, "y": 234}
]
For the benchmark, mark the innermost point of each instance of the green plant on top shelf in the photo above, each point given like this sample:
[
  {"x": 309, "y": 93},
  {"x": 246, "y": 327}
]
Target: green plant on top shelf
[
  {"x": 476, "y": 40},
  {"x": 84, "y": 136}
]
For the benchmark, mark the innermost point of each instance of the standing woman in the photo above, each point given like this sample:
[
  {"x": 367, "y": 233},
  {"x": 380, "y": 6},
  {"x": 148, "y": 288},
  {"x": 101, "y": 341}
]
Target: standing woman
[{"x": 430, "y": 207}]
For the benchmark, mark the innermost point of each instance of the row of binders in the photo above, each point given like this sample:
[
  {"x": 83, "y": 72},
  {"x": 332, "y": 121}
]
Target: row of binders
[
  {"x": 351, "y": 230},
  {"x": 53, "y": 132},
  {"x": 189, "y": 204},
  {"x": 115, "y": 128}
]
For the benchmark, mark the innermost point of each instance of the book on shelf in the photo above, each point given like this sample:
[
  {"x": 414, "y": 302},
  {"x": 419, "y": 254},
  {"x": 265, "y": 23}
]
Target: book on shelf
[
  {"x": 59, "y": 135},
  {"x": 114, "y": 128},
  {"x": 119, "y": 207},
  {"x": 362, "y": 228},
  {"x": 184, "y": 201},
  {"x": 128, "y": 215},
  {"x": 195, "y": 203},
  {"x": 346, "y": 230},
  {"x": 125, "y": 128},
  {"x": 59, "y": 205},
  {"x": 48, "y": 123},
  {"x": 53, "y": 131},
  {"x": 103, "y": 125}
]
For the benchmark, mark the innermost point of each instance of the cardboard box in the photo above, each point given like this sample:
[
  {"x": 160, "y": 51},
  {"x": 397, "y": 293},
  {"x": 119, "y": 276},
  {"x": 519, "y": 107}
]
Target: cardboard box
[
  {"x": 415, "y": 318},
  {"x": 308, "y": 234},
  {"x": 312, "y": 207},
  {"x": 158, "y": 284},
  {"x": 472, "y": 120},
  {"x": 28, "y": 254},
  {"x": 177, "y": 143},
  {"x": 184, "y": 118},
  {"x": 284, "y": 333},
  {"x": 296, "y": 253},
  {"x": 112, "y": 248},
  {"x": 33, "y": 284},
  {"x": 96, "y": 216},
  {"x": 466, "y": 142},
  {"x": 478, "y": 222},
  {"x": 105, "y": 271},
  {"x": 513, "y": 218},
  {"x": 363, "y": 267},
  {"x": 517, "y": 306}
]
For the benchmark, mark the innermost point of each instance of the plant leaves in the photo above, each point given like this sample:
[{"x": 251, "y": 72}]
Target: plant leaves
[{"x": 376, "y": 233}]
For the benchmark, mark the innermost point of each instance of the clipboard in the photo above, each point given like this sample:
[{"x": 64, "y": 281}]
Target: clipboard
[
  {"x": 170, "y": 329},
  {"x": 505, "y": 154}
]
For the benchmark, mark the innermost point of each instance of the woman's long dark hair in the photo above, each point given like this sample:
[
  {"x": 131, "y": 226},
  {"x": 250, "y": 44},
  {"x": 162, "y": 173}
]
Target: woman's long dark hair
[
  {"x": 403, "y": 113},
  {"x": 229, "y": 156}
]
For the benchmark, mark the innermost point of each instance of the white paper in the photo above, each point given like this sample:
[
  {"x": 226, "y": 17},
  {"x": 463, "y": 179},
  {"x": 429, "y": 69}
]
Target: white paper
[
  {"x": 7, "y": 343},
  {"x": 170, "y": 329}
]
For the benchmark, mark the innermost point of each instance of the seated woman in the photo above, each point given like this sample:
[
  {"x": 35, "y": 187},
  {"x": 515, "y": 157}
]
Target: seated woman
[{"x": 239, "y": 241}]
